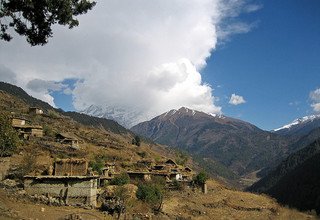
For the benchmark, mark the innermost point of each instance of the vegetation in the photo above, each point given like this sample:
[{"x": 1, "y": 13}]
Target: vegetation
[
  {"x": 201, "y": 178},
  {"x": 34, "y": 18},
  {"x": 28, "y": 164},
  {"x": 120, "y": 180},
  {"x": 296, "y": 181},
  {"x": 136, "y": 140},
  {"x": 9, "y": 139},
  {"x": 181, "y": 157},
  {"x": 122, "y": 196},
  {"x": 97, "y": 165},
  {"x": 152, "y": 192}
]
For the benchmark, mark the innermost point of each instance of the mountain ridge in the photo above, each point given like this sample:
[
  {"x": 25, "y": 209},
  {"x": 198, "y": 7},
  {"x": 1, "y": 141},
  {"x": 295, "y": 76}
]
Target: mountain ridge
[
  {"x": 238, "y": 145},
  {"x": 300, "y": 126}
]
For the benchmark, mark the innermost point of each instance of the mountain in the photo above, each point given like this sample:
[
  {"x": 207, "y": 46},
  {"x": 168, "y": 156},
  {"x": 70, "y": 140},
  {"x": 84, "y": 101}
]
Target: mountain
[
  {"x": 127, "y": 117},
  {"x": 300, "y": 126},
  {"x": 234, "y": 144},
  {"x": 84, "y": 119},
  {"x": 296, "y": 181}
]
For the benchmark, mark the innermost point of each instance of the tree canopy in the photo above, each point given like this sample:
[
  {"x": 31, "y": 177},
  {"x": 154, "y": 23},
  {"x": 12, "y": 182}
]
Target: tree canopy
[
  {"x": 8, "y": 137},
  {"x": 34, "y": 18}
]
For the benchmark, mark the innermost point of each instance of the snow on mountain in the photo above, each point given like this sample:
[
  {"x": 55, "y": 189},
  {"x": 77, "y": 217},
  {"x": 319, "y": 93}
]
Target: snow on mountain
[
  {"x": 300, "y": 126},
  {"x": 121, "y": 115},
  {"x": 129, "y": 118}
]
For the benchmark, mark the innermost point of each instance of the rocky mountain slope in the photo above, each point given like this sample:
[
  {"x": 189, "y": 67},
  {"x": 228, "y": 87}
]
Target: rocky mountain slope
[
  {"x": 217, "y": 139},
  {"x": 296, "y": 181},
  {"x": 300, "y": 126}
]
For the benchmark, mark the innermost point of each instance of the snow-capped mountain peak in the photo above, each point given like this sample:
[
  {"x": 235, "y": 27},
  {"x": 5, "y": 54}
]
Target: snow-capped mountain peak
[{"x": 305, "y": 123}]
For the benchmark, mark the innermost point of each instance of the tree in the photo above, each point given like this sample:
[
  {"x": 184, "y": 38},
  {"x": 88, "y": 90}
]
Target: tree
[
  {"x": 136, "y": 141},
  {"x": 9, "y": 139},
  {"x": 201, "y": 178},
  {"x": 34, "y": 18},
  {"x": 152, "y": 193}
]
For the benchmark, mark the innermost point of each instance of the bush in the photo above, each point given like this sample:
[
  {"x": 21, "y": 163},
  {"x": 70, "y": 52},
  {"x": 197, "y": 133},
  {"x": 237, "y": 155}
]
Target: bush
[
  {"x": 97, "y": 165},
  {"x": 136, "y": 141},
  {"x": 120, "y": 180},
  {"x": 9, "y": 139},
  {"x": 151, "y": 194},
  {"x": 201, "y": 178}
]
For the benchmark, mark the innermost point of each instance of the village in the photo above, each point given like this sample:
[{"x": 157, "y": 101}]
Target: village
[{"x": 71, "y": 181}]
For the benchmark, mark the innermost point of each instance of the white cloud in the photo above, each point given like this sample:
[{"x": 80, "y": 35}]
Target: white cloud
[
  {"x": 316, "y": 107},
  {"x": 144, "y": 55},
  {"x": 315, "y": 98},
  {"x": 236, "y": 99}
]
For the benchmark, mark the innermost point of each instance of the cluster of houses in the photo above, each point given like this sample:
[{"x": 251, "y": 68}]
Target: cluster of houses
[
  {"x": 26, "y": 130},
  {"x": 71, "y": 181}
]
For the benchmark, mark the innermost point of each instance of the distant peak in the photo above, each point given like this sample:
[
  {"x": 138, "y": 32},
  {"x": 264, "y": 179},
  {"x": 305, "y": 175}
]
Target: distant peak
[
  {"x": 185, "y": 110},
  {"x": 298, "y": 121}
]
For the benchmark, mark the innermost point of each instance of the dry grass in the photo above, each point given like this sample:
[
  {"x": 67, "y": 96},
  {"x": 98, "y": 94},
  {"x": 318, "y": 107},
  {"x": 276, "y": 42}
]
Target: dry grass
[{"x": 223, "y": 203}]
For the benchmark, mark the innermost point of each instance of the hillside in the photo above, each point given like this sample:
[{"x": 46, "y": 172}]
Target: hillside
[
  {"x": 216, "y": 140},
  {"x": 35, "y": 155},
  {"x": 296, "y": 180},
  {"x": 107, "y": 124}
]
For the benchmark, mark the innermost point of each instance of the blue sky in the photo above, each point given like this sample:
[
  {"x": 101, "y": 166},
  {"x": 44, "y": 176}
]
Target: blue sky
[
  {"x": 138, "y": 59},
  {"x": 274, "y": 67}
]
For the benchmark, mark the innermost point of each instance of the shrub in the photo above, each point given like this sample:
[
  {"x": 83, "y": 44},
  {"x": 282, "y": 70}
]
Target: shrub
[
  {"x": 120, "y": 180},
  {"x": 9, "y": 139},
  {"x": 152, "y": 192},
  {"x": 97, "y": 165},
  {"x": 201, "y": 178},
  {"x": 136, "y": 140}
]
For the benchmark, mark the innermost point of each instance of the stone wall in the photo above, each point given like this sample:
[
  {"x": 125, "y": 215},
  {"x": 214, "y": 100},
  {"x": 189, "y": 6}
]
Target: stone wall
[{"x": 69, "y": 189}]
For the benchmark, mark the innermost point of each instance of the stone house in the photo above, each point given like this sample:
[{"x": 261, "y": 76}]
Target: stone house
[
  {"x": 71, "y": 167},
  {"x": 35, "y": 111},
  {"x": 16, "y": 121},
  {"x": 70, "y": 190},
  {"x": 70, "y": 183},
  {"x": 139, "y": 175},
  {"x": 68, "y": 139}
]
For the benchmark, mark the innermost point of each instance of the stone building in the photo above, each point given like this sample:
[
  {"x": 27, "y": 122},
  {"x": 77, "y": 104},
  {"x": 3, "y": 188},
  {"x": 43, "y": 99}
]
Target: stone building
[
  {"x": 70, "y": 183},
  {"x": 71, "y": 167},
  {"x": 68, "y": 139},
  {"x": 26, "y": 131},
  {"x": 70, "y": 190},
  {"x": 35, "y": 111}
]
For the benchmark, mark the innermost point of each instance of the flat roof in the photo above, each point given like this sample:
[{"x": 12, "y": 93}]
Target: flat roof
[{"x": 61, "y": 177}]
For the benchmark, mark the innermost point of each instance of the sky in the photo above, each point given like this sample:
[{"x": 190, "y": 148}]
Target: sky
[{"x": 258, "y": 61}]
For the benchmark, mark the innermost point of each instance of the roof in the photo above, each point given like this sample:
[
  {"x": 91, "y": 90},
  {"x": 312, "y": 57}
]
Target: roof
[
  {"x": 71, "y": 160},
  {"x": 28, "y": 126},
  {"x": 61, "y": 177},
  {"x": 68, "y": 135},
  {"x": 170, "y": 161},
  {"x": 35, "y": 108}
]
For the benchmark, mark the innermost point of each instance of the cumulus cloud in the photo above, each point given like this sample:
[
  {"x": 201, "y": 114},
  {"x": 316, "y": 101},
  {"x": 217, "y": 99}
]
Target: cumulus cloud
[
  {"x": 144, "y": 56},
  {"x": 315, "y": 98},
  {"x": 236, "y": 99}
]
